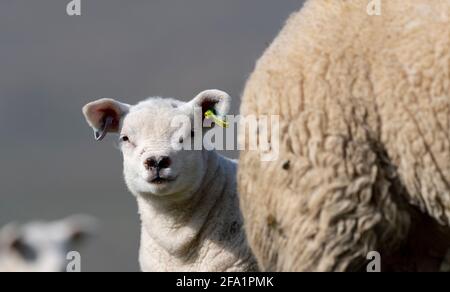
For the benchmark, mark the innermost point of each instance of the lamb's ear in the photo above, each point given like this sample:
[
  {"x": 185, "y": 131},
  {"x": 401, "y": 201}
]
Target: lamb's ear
[
  {"x": 104, "y": 116},
  {"x": 80, "y": 227},
  {"x": 213, "y": 100}
]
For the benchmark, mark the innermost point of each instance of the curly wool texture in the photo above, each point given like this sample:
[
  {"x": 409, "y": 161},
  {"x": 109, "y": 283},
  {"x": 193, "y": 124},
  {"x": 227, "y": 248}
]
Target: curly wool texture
[{"x": 364, "y": 105}]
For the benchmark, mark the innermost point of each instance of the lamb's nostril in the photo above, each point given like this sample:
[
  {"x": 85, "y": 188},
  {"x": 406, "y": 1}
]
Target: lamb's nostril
[
  {"x": 150, "y": 163},
  {"x": 164, "y": 162}
]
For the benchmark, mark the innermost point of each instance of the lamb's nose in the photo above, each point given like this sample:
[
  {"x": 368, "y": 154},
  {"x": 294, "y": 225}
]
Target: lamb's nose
[
  {"x": 164, "y": 162},
  {"x": 150, "y": 163},
  {"x": 158, "y": 163}
]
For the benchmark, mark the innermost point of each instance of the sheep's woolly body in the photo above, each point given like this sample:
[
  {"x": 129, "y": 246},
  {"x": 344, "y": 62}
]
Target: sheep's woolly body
[
  {"x": 203, "y": 234},
  {"x": 364, "y": 103}
]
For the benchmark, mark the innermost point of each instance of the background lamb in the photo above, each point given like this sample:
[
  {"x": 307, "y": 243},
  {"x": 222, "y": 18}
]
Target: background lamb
[
  {"x": 364, "y": 103},
  {"x": 187, "y": 200},
  {"x": 42, "y": 246}
]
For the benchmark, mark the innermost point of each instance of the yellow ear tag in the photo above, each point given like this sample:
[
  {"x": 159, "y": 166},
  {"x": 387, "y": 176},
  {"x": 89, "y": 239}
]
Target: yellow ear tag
[{"x": 210, "y": 115}]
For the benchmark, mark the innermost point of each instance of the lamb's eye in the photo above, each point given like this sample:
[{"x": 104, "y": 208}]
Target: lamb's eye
[
  {"x": 25, "y": 250},
  {"x": 181, "y": 140},
  {"x": 124, "y": 139}
]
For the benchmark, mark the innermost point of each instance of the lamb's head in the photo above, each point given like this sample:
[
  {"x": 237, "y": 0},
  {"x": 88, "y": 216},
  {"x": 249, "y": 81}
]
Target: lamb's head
[
  {"x": 42, "y": 246},
  {"x": 157, "y": 138}
]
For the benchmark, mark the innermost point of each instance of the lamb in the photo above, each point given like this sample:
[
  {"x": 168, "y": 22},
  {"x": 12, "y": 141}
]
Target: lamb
[
  {"x": 364, "y": 106},
  {"x": 42, "y": 246},
  {"x": 187, "y": 199}
]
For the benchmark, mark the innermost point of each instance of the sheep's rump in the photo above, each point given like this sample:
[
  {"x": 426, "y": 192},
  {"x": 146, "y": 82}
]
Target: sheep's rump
[{"x": 364, "y": 165}]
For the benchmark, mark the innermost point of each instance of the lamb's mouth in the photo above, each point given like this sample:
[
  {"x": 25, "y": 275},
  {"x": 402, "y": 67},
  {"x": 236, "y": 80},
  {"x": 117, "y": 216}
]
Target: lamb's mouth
[{"x": 158, "y": 180}]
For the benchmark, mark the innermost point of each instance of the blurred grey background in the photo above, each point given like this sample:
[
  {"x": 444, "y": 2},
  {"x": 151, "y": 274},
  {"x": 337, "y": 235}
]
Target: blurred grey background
[{"x": 52, "y": 64}]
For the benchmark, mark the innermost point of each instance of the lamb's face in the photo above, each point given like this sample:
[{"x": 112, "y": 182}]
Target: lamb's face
[
  {"x": 155, "y": 138},
  {"x": 153, "y": 162},
  {"x": 42, "y": 246}
]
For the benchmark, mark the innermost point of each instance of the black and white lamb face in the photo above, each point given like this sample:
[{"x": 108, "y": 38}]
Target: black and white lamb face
[
  {"x": 42, "y": 246},
  {"x": 157, "y": 138}
]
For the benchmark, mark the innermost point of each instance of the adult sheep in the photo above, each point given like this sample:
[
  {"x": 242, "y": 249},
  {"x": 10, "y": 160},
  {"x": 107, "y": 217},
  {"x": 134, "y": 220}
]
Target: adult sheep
[
  {"x": 187, "y": 196},
  {"x": 364, "y": 165}
]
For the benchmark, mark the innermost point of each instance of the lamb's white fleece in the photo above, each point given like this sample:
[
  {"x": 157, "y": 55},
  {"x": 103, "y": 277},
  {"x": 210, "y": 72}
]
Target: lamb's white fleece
[{"x": 202, "y": 234}]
